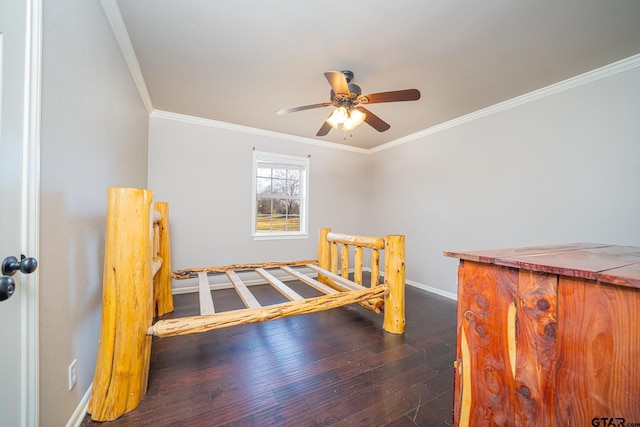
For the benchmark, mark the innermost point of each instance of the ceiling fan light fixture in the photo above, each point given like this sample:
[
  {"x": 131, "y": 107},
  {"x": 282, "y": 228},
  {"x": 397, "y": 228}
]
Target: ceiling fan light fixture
[
  {"x": 355, "y": 119},
  {"x": 338, "y": 116}
]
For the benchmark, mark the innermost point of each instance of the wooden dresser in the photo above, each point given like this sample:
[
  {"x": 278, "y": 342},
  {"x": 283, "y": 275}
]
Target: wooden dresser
[{"x": 548, "y": 336}]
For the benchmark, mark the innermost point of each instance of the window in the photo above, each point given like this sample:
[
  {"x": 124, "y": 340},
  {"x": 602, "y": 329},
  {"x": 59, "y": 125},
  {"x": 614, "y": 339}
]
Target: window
[{"x": 279, "y": 195}]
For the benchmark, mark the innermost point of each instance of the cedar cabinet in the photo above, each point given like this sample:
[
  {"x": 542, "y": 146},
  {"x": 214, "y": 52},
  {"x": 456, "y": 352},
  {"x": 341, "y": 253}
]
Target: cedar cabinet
[{"x": 548, "y": 336}]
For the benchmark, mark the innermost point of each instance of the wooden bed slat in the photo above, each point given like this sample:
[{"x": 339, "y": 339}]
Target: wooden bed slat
[
  {"x": 206, "y": 301},
  {"x": 245, "y": 294},
  {"x": 197, "y": 324},
  {"x": 289, "y": 293},
  {"x": 309, "y": 281}
]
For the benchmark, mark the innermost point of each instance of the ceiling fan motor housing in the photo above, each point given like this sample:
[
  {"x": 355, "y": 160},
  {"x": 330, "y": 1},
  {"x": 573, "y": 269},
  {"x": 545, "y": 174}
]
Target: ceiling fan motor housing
[{"x": 354, "y": 90}]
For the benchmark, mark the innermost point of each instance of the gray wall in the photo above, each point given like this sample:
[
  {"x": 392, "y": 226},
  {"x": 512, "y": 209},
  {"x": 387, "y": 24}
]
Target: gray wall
[
  {"x": 205, "y": 174},
  {"x": 94, "y": 135},
  {"x": 564, "y": 168}
]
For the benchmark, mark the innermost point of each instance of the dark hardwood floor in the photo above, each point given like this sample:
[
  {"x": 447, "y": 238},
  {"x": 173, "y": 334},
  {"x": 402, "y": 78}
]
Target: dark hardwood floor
[{"x": 336, "y": 367}]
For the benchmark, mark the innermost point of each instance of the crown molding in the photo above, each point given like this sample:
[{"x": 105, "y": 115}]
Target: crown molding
[
  {"x": 254, "y": 131},
  {"x": 119, "y": 29},
  {"x": 122, "y": 36},
  {"x": 582, "y": 79}
]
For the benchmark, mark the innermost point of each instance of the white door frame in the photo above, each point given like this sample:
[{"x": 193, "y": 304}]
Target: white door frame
[{"x": 31, "y": 216}]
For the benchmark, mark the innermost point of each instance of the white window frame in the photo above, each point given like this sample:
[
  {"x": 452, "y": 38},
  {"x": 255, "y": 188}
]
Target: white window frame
[{"x": 260, "y": 157}]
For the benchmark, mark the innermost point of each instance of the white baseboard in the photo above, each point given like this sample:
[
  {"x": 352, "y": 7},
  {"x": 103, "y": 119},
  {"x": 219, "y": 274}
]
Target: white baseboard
[
  {"x": 81, "y": 410},
  {"x": 432, "y": 290}
]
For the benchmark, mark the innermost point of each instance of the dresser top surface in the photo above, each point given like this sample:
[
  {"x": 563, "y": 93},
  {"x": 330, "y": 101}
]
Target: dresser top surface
[{"x": 614, "y": 264}]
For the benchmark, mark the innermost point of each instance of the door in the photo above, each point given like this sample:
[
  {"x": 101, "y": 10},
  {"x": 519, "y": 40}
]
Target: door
[{"x": 19, "y": 85}]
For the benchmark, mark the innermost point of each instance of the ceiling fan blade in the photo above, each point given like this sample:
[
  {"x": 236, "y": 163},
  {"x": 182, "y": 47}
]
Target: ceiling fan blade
[
  {"x": 338, "y": 82},
  {"x": 302, "y": 108},
  {"x": 374, "y": 121},
  {"x": 324, "y": 129},
  {"x": 393, "y": 96}
]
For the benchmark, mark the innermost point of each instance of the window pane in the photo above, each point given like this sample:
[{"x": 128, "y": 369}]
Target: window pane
[
  {"x": 293, "y": 174},
  {"x": 279, "y": 186},
  {"x": 294, "y": 207},
  {"x": 263, "y": 206},
  {"x": 263, "y": 214},
  {"x": 264, "y": 172},
  {"x": 279, "y": 173},
  {"x": 263, "y": 185},
  {"x": 293, "y": 188}
]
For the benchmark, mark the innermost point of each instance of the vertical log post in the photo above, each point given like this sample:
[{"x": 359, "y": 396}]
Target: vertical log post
[
  {"x": 375, "y": 268},
  {"x": 357, "y": 265},
  {"x": 394, "y": 276},
  {"x": 162, "y": 295},
  {"x": 324, "y": 253},
  {"x": 334, "y": 258},
  {"x": 124, "y": 349},
  {"x": 344, "y": 261}
]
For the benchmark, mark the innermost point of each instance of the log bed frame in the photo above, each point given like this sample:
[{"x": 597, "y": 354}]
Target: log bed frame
[{"x": 137, "y": 288}]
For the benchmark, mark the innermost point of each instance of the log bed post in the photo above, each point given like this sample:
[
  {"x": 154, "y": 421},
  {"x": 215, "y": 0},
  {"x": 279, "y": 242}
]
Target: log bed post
[
  {"x": 124, "y": 348},
  {"x": 394, "y": 277},
  {"x": 162, "y": 294},
  {"x": 324, "y": 253}
]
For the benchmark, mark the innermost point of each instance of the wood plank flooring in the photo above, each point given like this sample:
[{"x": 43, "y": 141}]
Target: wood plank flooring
[{"x": 336, "y": 367}]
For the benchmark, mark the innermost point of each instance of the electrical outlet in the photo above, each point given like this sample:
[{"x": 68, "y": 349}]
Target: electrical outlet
[{"x": 73, "y": 374}]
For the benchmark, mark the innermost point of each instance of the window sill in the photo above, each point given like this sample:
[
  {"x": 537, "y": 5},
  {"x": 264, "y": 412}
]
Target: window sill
[{"x": 279, "y": 236}]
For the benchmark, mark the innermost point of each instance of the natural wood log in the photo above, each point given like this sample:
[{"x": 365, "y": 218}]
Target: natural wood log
[
  {"x": 344, "y": 285},
  {"x": 193, "y": 272},
  {"x": 344, "y": 262},
  {"x": 245, "y": 294},
  {"x": 122, "y": 365},
  {"x": 204, "y": 291},
  {"x": 197, "y": 324},
  {"x": 334, "y": 257},
  {"x": 354, "y": 240},
  {"x": 162, "y": 292},
  {"x": 324, "y": 252},
  {"x": 394, "y": 277},
  {"x": 288, "y": 293},
  {"x": 309, "y": 281},
  {"x": 156, "y": 265},
  {"x": 375, "y": 268},
  {"x": 357, "y": 265},
  {"x": 341, "y": 284}
]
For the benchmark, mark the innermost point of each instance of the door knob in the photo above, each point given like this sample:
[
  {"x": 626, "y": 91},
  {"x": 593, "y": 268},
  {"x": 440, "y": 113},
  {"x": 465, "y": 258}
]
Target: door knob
[
  {"x": 7, "y": 286},
  {"x": 26, "y": 265}
]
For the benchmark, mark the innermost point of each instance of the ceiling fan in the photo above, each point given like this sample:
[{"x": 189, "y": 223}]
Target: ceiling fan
[{"x": 348, "y": 99}]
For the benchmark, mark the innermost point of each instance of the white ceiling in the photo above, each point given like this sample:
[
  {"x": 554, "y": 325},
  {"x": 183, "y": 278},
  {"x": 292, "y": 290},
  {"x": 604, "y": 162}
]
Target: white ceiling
[{"x": 240, "y": 61}]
